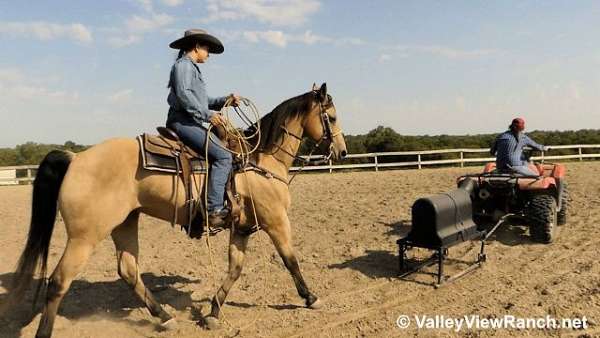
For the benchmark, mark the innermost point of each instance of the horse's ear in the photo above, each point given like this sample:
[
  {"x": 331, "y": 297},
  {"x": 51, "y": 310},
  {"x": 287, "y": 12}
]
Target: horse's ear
[
  {"x": 323, "y": 92},
  {"x": 314, "y": 88}
]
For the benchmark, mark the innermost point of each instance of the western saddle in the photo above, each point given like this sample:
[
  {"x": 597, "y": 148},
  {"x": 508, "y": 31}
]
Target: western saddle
[{"x": 167, "y": 153}]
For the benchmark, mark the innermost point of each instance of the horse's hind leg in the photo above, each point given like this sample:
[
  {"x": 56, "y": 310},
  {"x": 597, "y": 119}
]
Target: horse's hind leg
[
  {"x": 237, "y": 252},
  {"x": 125, "y": 237},
  {"x": 72, "y": 262},
  {"x": 281, "y": 235}
]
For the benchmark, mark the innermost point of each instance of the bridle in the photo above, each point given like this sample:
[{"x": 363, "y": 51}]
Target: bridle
[{"x": 327, "y": 134}]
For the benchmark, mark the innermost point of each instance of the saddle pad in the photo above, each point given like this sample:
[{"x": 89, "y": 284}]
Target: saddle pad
[{"x": 157, "y": 155}]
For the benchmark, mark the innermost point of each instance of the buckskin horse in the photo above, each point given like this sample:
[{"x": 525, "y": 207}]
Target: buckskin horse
[{"x": 104, "y": 189}]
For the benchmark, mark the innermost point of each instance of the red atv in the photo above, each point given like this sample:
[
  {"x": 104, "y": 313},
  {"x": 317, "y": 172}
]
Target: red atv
[{"x": 539, "y": 201}]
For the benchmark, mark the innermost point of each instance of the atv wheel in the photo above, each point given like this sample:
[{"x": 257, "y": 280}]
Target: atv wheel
[
  {"x": 562, "y": 214},
  {"x": 542, "y": 215}
]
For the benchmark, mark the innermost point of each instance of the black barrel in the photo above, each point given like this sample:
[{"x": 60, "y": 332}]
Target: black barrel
[{"x": 442, "y": 220}]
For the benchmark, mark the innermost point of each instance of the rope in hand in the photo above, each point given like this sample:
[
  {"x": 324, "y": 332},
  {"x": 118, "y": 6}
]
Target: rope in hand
[{"x": 236, "y": 134}]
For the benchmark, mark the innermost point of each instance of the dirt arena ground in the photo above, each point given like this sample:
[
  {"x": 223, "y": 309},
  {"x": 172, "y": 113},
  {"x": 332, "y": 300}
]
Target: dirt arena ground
[{"x": 345, "y": 228}]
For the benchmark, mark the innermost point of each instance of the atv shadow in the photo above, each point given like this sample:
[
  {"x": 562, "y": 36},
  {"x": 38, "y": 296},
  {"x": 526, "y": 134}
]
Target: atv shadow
[
  {"x": 514, "y": 231},
  {"x": 375, "y": 264},
  {"x": 399, "y": 229},
  {"x": 512, "y": 235}
]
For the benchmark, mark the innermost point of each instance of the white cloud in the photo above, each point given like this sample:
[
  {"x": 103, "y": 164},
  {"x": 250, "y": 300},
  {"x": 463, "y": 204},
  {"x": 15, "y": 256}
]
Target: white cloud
[
  {"x": 36, "y": 93},
  {"x": 444, "y": 51},
  {"x": 147, "y": 24},
  {"x": 120, "y": 96},
  {"x": 124, "y": 41},
  {"x": 172, "y": 3},
  {"x": 384, "y": 58},
  {"x": 461, "y": 104},
  {"x": 136, "y": 26},
  {"x": 275, "y": 12},
  {"x": 276, "y": 38},
  {"x": 16, "y": 86},
  {"x": 281, "y": 39},
  {"x": 146, "y": 5},
  {"x": 349, "y": 41},
  {"x": 10, "y": 75},
  {"x": 43, "y": 30},
  {"x": 575, "y": 91},
  {"x": 309, "y": 38}
]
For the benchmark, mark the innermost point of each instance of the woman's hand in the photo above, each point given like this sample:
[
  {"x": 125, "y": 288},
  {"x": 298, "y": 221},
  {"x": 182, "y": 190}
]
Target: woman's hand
[
  {"x": 217, "y": 120},
  {"x": 235, "y": 99}
]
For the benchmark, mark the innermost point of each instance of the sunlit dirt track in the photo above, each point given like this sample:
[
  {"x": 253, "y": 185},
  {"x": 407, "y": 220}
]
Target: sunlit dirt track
[{"x": 345, "y": 228}]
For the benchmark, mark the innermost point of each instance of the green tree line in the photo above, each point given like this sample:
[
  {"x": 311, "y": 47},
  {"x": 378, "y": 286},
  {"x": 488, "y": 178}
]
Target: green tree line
[
  {"x": 33, "y": 153},
  {"x": 380, "y": 139},
  {"x": 385, "y": 139}
]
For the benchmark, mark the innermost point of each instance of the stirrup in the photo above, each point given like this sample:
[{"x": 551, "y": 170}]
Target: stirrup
[{"x": 213, "y": 231}]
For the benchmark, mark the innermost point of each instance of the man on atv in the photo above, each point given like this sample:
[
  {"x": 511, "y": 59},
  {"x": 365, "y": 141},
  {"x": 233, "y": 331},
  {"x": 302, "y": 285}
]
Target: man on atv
[{"x": 508, "y": 149}]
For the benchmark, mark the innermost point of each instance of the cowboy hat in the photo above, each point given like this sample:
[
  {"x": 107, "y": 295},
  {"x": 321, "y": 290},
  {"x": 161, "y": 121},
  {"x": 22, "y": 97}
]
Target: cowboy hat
[{"x": 198, "y": 36}]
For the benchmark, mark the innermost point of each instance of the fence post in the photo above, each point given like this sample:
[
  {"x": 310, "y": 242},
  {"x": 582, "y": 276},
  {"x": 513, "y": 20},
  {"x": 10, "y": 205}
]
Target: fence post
[
  {"x": 419, "y": 160},
  {"x": 580, "y": 157},
  {"x": 462, "y": 159},
  {"x": 28, "y": 175},
  {"x": 330, "y": 166},
  {"x": 376, "y": 163}
]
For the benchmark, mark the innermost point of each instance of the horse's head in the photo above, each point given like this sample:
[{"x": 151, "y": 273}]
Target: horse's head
[{"x": 322, "y": 125}]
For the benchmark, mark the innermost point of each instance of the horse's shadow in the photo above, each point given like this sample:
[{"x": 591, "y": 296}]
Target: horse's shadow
[{"x": 111, "y": 298}]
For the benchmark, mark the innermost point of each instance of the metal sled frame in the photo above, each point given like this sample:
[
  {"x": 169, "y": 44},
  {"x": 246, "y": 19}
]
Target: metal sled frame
[{"x": 440, "y": 254}]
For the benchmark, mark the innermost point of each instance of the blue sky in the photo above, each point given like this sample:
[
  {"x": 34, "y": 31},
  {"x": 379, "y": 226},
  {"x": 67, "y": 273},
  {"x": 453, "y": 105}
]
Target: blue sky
[{"x": 87, "y": 71}]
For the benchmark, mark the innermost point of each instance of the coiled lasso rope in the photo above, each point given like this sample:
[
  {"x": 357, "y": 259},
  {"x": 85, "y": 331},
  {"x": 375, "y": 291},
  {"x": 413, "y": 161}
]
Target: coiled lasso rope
[{"x": 246, "y": 150}]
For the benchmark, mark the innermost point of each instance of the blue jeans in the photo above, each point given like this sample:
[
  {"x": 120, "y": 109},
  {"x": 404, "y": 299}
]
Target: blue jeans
[
  {"x": 194, "y": 136},
  {"x": 524, "y": 170}
]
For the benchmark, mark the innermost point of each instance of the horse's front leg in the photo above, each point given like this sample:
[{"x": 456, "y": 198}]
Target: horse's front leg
[
  {"x": 237, "y": 252},
  {"x": 281, "y": 235}
]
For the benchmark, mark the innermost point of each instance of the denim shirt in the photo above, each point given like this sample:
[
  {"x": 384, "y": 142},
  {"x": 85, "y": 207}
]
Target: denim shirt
[
  {"x": 188, "y": 101},
  {"x": 508, "y": 149}
]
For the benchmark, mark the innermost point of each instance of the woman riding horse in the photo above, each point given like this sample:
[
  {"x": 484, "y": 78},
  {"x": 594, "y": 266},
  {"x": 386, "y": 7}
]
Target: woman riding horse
[
  {"x": 97, "y": 198},
  {"x": 189, "y": 113}
]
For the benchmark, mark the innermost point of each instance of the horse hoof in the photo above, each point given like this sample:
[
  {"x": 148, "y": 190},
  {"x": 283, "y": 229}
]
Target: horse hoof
[
  {"x": 212, "y": 323},
  {"x": 169, "y": 325},
  {"x": 316, "y": 305}
]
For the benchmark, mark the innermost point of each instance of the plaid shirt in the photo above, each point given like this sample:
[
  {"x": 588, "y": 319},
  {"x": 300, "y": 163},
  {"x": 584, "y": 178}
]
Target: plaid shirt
[{"x": 508, "y": 149}]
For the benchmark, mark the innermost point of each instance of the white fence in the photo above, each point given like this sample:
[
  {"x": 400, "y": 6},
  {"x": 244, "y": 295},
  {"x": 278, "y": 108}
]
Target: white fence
[
  {"x": 415, "y": 159},
  {"x": 8, "y": 175},
  {"x": 418, "y": 159}
]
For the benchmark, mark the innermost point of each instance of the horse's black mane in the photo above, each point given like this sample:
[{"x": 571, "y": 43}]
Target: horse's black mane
[{"x": 270, "y": 124}]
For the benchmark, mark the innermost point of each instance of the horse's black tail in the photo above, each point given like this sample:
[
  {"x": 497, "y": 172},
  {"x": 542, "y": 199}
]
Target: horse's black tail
[{"x": 46, "y": 187}]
